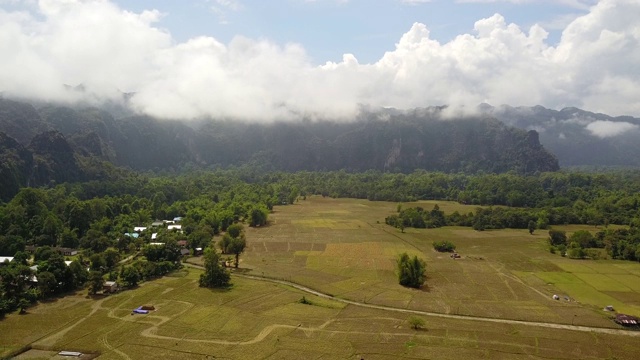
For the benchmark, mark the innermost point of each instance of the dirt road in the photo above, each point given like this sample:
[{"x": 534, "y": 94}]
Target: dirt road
[{"x": 440, "y": 315}]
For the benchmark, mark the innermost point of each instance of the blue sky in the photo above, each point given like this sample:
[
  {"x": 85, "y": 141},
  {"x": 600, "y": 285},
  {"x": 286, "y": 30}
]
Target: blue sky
[
  {"x": 329, "y": 28},
  {"x": 266, "y": 60}
]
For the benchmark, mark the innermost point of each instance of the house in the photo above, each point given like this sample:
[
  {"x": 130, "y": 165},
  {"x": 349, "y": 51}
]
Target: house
[
  {"x": 133, "y": 235},
  {"x": 184, "y": 252},
  {"x": 156, "y": 244},
  {"x": 157, "y": 223},
  {"x": 4, "y": 259},
  {"x": 66, "y": 251},
  {"x": 62, "y": 250},
  {"x": 198, "y": 251},
  {"x": 139, "y": 229},
  {"x": 167, "y": 221},
  {"x": 177, "y": 219},
  {"x": 627, "y": 320},
  {"x": 110, "y": 287},
  {"x": 182, "y": 243},
  {"x": 174, "y": 227},
  {"x": 154, "y": 236}
]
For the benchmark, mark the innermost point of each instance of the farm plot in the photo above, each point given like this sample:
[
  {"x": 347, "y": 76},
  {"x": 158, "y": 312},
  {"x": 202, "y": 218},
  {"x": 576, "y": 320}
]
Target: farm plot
[
  {"x": 342, "y": 247},
  {"x": 262, "y": 320},
  {"x": 598, "y": 283}
]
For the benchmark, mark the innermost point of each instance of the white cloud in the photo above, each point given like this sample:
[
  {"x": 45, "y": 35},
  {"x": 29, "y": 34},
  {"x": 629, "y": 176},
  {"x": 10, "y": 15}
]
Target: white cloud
[
  {"x": 596, "y": 65},
  {"x": 415, "y": 2},
  {"x": 606, "y": 129},
  {"x": 578, "y": 4},
  {"x": 221, "y": 8}
]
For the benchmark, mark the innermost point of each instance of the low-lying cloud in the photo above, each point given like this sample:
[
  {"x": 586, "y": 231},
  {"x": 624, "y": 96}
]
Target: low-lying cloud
[
  {"x": 606, "y": 129},
  {"x": 596, "y": 65}
]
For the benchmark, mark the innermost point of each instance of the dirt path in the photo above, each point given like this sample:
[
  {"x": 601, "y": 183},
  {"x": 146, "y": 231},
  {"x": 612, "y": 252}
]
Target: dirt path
[
  {"x": 126, "y": 260},
  {"x": 150, "y": 333},
  {"x": 54, "y": 338},
  {"x": 440, "y": 315}
]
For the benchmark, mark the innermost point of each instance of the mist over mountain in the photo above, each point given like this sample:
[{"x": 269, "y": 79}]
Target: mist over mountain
[
  {"x": 63, "y": 143},
  {"x": 575, "y": 136}
]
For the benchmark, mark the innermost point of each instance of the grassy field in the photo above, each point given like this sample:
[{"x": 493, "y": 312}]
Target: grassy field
[
  {"x": 261, "y": 320},
  {"x": 342, "y": 247}
]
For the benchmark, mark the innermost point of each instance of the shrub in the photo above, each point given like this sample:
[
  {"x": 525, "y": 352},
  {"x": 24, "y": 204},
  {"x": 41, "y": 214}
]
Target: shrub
[{"x": 444, "y": 246}]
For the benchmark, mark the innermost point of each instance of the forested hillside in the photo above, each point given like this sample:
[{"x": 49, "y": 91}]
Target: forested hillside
[{"x": 57, "y": 143}]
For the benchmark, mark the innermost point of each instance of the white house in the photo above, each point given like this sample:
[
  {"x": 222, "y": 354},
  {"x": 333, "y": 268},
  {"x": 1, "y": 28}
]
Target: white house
[
  {"x": 174, "y": 227},
  {"x": 139, "y": 228}
]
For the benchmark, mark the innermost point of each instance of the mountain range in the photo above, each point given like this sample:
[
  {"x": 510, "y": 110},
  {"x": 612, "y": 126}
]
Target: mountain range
[{"x": 44, "y": 144}]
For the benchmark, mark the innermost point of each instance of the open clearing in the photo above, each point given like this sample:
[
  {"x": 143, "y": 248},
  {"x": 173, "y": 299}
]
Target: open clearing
[{"x": 343, "y": 248}]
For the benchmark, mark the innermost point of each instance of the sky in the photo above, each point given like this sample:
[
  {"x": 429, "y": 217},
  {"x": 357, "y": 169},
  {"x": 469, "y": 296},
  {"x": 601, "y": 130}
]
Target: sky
[{"x": 281, "y": 59}]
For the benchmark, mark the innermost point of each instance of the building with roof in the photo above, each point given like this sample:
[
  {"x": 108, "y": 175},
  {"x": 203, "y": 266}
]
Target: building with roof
[
  {"x": 110, "y": 286},
  {"x": 627, "y": 320},
  {"x": 6, "y": 259}
]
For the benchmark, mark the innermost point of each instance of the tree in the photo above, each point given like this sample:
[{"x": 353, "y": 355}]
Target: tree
[
  {"x": 411, "y": 271},
  {"x": 23, "y": 304},
  {"x": 557, "y": 237},
  {"x": 237, "y": 247},
  {"x": 235, "y": 230},
  {"x": 532, "y": 226},
  {"x": 416, "y": 322},
  {"x": 574, "y": 251},
  {"x": 130, "y": 276},
  {"x": 259, "y": 216},
  {"x": 69, "y": 238},
  {"x": 98, "y": 262},
  {"x": 583, "y": 238},
  {"x": 95, "y": 282},
  {"x": 111, "y": 257},
  {"x": 214, "y": 276},
  {"x": 80, "y": 274},
  {"x": 47, "y": 283},
  {"x": 234, "y": 242}
]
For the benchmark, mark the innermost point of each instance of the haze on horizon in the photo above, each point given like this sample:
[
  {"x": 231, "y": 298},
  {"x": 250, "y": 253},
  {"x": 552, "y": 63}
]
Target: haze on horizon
[{"x": 594, "y": 64}]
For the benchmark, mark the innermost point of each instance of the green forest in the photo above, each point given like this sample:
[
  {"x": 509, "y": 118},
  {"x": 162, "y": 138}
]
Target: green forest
[{"x": 98, "y": 218}]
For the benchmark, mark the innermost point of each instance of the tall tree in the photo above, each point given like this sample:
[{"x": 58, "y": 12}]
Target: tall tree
[
  {"x": 95, "y": 282},
  {"x": 411, "y": 271},
  {"x": 214, "y": 276},
  {"x": 237, "y": 247},
  {"x": 531, "y": 226}
]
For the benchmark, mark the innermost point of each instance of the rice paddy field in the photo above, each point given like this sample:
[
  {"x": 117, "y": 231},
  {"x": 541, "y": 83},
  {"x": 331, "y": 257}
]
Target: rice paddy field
[{"x": 343, "y": 248}]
